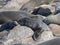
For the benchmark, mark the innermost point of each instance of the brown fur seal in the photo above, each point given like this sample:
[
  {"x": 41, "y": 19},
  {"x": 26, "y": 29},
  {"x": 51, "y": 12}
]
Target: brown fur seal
[{"x": 7, "y": 16}]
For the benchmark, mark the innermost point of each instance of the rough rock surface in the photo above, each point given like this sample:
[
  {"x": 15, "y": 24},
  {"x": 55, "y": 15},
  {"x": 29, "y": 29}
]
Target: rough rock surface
[
  {"x": 55, "y": 29},
  {"x": 20, "y": 34},
  {"x": 56, "y": 5},
  {"x": 45, "y": 35},
  {"x": 3, "y": 3},
  {"x": 13, "y": 5},
  {"x": 3, "y": 36},
  {"x": 21, "y": 30}
]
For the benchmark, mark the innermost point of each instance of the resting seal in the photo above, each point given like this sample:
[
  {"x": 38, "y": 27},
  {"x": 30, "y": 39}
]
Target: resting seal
[
  {"x": 53, "y": 19},
  {"x": 7, "y": 16}
]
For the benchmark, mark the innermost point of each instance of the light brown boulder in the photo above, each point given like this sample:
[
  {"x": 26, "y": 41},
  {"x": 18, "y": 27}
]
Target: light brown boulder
[
  {"x": 45, "y": 36},
  {"x": 14, "y": 5},
  {"x": 20, "y": 34},
  {"x": 55, "y": 29}
]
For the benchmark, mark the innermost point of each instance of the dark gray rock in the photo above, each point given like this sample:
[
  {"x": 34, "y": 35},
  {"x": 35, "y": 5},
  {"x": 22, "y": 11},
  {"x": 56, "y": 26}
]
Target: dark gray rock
[
  {"x": 55, "y": 41},
  {"x": 1, "y": 43}
]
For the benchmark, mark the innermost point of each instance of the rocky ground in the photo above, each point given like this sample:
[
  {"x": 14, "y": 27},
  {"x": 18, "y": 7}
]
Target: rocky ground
[{"x": 29, "y": 22}]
